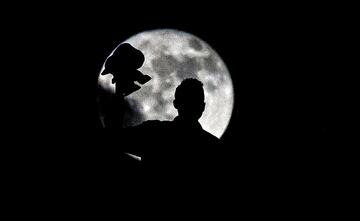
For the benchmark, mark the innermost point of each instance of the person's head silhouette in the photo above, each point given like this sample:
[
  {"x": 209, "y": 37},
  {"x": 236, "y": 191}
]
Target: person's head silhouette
[{"x": 189, "y": 99}]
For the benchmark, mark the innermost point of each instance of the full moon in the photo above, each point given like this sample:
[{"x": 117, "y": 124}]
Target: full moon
[{"x": 170, "y": 57}]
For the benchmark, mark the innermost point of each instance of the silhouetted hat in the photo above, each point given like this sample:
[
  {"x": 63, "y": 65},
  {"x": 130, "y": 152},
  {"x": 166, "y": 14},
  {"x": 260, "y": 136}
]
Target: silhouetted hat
[{"x": 125, "y": 56}]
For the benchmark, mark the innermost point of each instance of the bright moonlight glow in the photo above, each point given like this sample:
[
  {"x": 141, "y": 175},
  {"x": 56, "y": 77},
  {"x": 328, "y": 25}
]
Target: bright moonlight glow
[{"x": 170, "y": 57}]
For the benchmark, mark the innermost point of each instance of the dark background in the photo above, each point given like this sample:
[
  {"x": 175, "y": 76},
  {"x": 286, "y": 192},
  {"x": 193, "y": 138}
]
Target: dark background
[{"x": 285, "y": 62}]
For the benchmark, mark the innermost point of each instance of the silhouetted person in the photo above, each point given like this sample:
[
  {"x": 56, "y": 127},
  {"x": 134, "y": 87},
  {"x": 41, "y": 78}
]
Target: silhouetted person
[
  {"x": 172, "y": 151},
  {"x": 185, "y": 128},
  {"x": 178, "y": 151}
]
